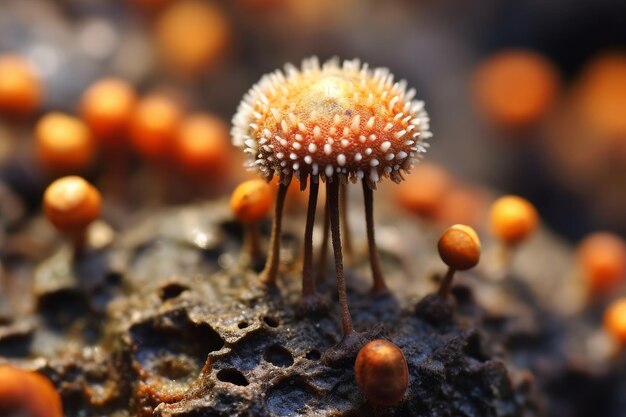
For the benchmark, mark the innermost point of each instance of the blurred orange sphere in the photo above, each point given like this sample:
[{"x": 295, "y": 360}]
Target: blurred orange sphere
[
  {"x": 71, "y": 204},
  {"x": 107, "y": 107},
  {"x": 27, "y": 393},
  {"x": 20, "y": 88},
  {"x": 515, "y": 88},
  {"x": 64, "y": 144},
  {"x": 512, "y": 219},
  {"x": 602, "y": 257},
  {"x": 601, "y": 94},
  {"x": 192, "y": 35},
  {"x": 251, "y": 201},
  {"x": 202, "y": 145},
  {"x": 423, "y": 190},
  {"x": 154, "y": 126},
  {"x": 615, "y": 320},
  {"x": 463, "y": 204}
]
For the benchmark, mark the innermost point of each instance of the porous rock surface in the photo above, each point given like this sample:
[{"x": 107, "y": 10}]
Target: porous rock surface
[{"x": 167, "y": 321}]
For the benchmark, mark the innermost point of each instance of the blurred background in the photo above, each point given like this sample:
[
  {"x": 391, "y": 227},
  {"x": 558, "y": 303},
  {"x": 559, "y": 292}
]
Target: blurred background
[{"x": 525, "y": 97}]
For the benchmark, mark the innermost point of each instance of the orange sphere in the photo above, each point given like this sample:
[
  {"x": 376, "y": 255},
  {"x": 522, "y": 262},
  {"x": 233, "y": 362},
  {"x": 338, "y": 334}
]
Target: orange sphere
[
  {"x": 107, "y": 107},
  {"x": 463, "y": 204},
  {"x": 20, "y": 88},
  {"x": 601, "y": 94},
  {"x": 515, "y": 87},
  {"x": 615, "y": 320},
  {"x": 203, "y": 145},
  {"x": 251, "y": 201},
  {"x": 27, "y": 393},
  {"x": 192, "y": 35},
  {"x": 459, "y": 247},
  {"x": 513, "y": 219},
  {"x": 423, "y": 190},
  {"x": 154, "y": 126},
  {"x": 602, "y": 256},
  {"x": 71, "y": 204},
  {"x": 381, "y": 372},
  {"x": 64, "y": 143}
]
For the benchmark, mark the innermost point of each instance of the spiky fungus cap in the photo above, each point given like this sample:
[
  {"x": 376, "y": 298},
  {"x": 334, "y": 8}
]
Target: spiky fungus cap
[{"x": 331, "y": 119}]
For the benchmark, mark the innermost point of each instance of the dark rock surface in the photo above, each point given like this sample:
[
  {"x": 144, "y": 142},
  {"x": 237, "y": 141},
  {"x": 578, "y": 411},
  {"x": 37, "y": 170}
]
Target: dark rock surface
[{"x": 166, "y": 321}]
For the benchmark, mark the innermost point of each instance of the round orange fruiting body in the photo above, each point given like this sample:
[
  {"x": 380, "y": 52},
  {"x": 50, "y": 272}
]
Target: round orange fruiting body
[
  {"x": 325, "y": 120},
  {"x": 600, "y": 94},
  {"x": 27, "y": 393},
  {"x": 423, "y": 191},
  {"x": 20, "y": 88},
  {"x": 64, "y": 143},
  {"x": 513, "y": 219},
  {"x": 71, "y": 204},
  {"x": 602, "y": 256},
  {"x": 202, "y": 145},
  {"x": 381, "y": 372},
  {"x": 251, "y": 201},
  {"x": 515, "y": 87},
  {"x": 459, "y": 247},
  {"x": 154, "y": 126},
  {"x": 192, "y": 35},
  {"x": 615, "y": 320},
  {"x": 107, "y": 107}
]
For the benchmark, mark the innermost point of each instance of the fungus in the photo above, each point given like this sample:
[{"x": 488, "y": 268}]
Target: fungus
[
  {"x": 107, "y": 108},
  {"x": 515, "y": 88},
  {"x": 381, "y": 372},
  {"x": 459, "y": 248},
  {"x": 27, "y": 393},
  {"x": 424, "y": 189},
  {"x": 251, "y": 202},
  {"x": 20, "y": 88},
  {"x": 192, "y": 36},
  {"x": 154, "y": 126},
  {"x": 602, "y": 257},
  {"x": 202, "y": 146},
  {"x": 71, "y": 204},
  {"x": 333, "y": 123},
  {"x": 512, "y": 219},
  {"x": 615, "y": 320},
  {"x": 64, "y": 144}
]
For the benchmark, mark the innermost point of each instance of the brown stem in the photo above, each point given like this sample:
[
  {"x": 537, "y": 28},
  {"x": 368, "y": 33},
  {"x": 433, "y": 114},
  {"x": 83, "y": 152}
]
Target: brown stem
[
  {"x": 308, "y": 283},
  {"x": 377, "y": 274},
  {"x": 79, "y": 243},
  {"x": 446, "y": 284},
  {"x": 323, "y": 254},
  {"x": 269, "y": 273},
  {"x": 332, "y": 192},
  {"x": 345, "y": 225},
  {"x": 252, "y": 241}
]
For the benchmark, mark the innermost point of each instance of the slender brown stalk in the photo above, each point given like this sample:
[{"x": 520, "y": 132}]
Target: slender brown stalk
[
  {"x": 79, "y": 243},
  {"x": 308, "y": 282},
  {"x": 252, "y": 241},
  {"x": 269, "y": 273},
  {"x": 323, "y": 254},
  {"x": 446, "y": 284},
  {"x": 377, "y": 274},
  {"x": 345, "y": 225},
  {"x": 332, "y": 192}
]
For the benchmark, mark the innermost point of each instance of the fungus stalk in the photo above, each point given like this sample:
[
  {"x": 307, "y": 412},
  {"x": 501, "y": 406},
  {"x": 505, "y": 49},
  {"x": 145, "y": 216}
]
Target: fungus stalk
[
  {"x": 268, "y": 276},
  {"x": 345, "y": 225},
  {"x": 323, "y": 253},
  {"x": 332, "y": 193},
  {"x": 308, "y": 281},
  {"x": 377, "y": 274}
]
